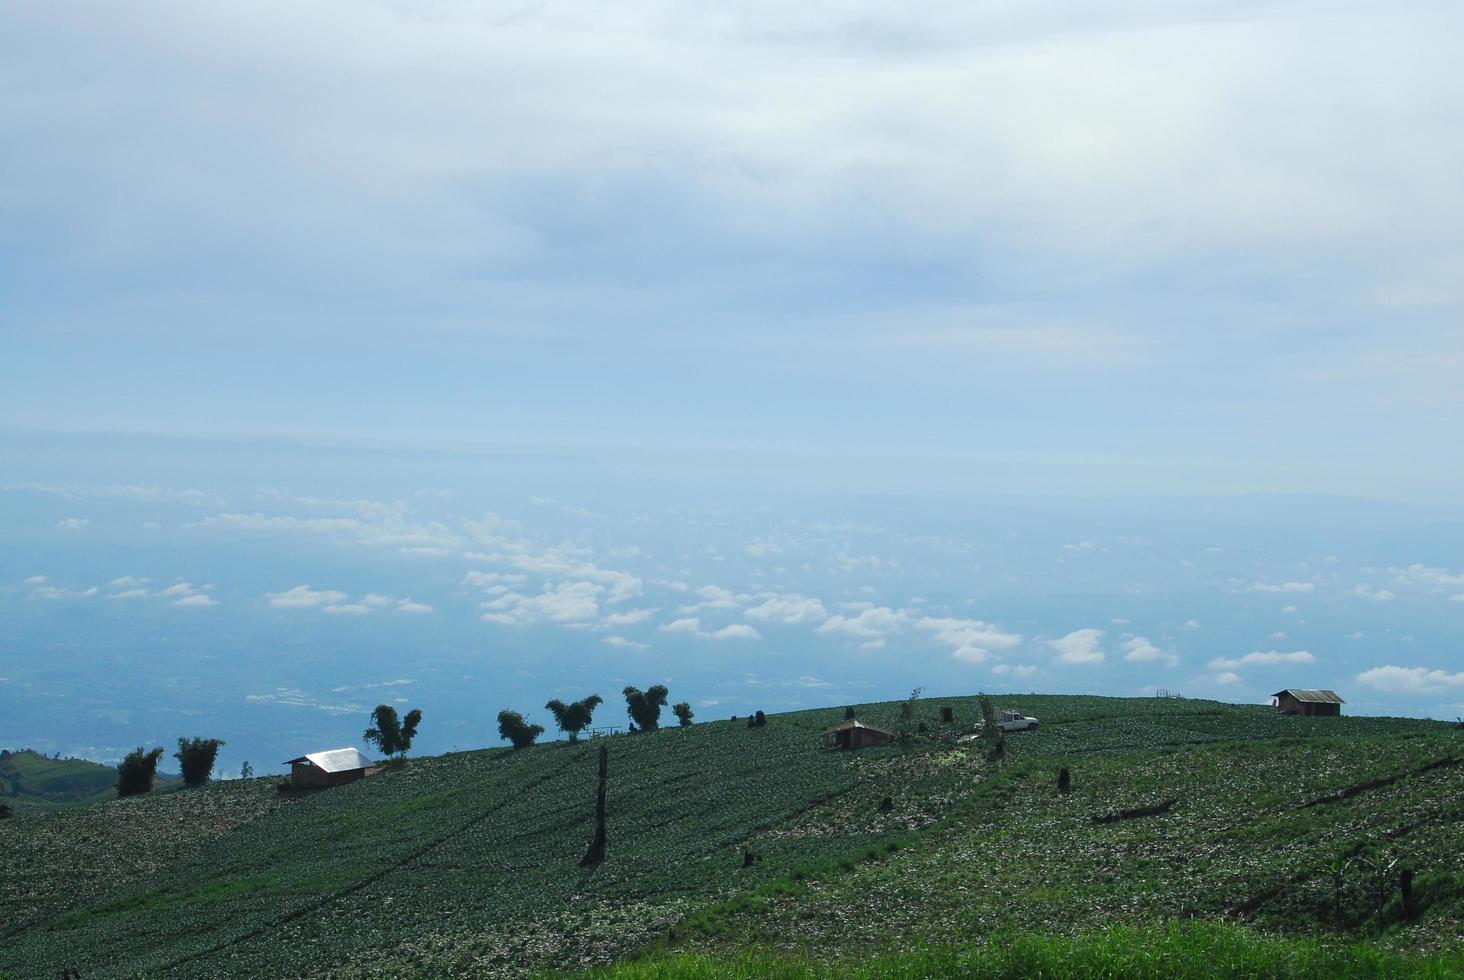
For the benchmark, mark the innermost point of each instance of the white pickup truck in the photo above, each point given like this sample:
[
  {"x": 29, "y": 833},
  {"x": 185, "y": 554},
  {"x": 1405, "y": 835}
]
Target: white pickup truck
[{"x": 1015, "y": 721}]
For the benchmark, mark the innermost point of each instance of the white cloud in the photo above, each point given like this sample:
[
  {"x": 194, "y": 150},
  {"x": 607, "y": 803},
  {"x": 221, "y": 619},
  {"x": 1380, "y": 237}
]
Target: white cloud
[
  {"x": 1019, "y": 671},
  {"x": 1425, "y": 575},
  {"x": 566, "y": 602},
  {"x": 177, "y": 589},
  {"x": 1140, "y": 650},
  {"x": 73, "y": 523},
  {"x": 409, "y": 606},
  {"x": 130, "y": 594},
  {"x": 714, "y": 597},
  {"x": 689, "y": 624},
  {"x": 198, "y": 599},
  {"x": 348, "y": 609},
  {"x": 1366, "y": 592},
  {"x": 970, "y": 640},
  {"x": 262, "y": 522},
  {"x": 375, "y": 600},
  {"x": 304, "y": 597},
  {"x": 788, "y": 608},
  {"x": 1410, "y": 680},
  {"x": 1284, "y": 587},
  {"x": 736, "y": 631},
  {"x": 615, "y": 640},
  {"x": 36, "y": 580},
  {"x": 52, "y": 592},
  {"x": 630, "y": 617},
  {"x": 1227, "y": 678},
  {"x": 485, "y": 580},
  {"x": 128, "y": 582},
  {"x": 872, "y": 622},
  {"x": 1079, "y": 647},
  {"x": 1266, "y": 658},
  {"x": 692, "y": 625}
]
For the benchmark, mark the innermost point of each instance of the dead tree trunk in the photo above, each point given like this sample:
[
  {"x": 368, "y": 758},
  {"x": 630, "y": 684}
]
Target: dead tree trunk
[{"x": 596, "y": 853}]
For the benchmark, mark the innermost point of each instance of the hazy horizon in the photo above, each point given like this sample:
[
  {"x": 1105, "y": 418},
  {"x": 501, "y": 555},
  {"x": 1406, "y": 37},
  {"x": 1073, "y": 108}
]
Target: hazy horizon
[{"x": 467, "y": 356}]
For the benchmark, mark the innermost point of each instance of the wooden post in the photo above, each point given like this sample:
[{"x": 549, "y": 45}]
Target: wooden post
[
  {"x": 1064, "y": 781},
  {"x": 596, "y": 853}
]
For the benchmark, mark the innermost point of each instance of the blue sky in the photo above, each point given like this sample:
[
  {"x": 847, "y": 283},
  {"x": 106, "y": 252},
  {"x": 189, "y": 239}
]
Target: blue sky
[{"x": 845, "y": 264}]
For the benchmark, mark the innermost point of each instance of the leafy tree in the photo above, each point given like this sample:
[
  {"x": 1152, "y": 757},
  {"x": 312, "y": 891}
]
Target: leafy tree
[
  {"x": 138, "y": 771},
  {"x": 683, "y": 713},
  {"x": 511, "y": 726},
  {"x": 246, "y": 771},
  {"x": 575, "y": 717},
  {"x": 392, "y": 736},
  {"x": 644, "y": 707},
  {"x": 196, "y": 758}
]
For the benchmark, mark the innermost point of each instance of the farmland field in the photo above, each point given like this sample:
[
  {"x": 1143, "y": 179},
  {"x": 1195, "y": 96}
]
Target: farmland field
[{"x": 724, "y": 837}]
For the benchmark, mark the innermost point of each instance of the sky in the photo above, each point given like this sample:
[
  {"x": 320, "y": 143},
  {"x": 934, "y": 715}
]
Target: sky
[{"x": 876, "y": 345}]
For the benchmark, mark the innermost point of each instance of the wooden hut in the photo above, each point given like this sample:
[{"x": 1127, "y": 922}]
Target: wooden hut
[
  {"x": 1296, "y": 701},
  {"x": 855, "y": 734},
  {"x": 330, "y": 768}
]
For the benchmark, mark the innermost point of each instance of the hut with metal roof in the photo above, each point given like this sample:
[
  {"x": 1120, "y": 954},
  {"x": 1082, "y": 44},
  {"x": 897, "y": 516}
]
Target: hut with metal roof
[
  {"x": 330, "y": 768},
  {"x": 1299, "y": 701},
  {"x": 855, "y": 734}
]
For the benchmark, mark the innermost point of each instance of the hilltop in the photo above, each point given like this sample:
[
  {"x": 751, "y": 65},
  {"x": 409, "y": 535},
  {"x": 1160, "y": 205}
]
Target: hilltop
[
  {"x": 31, "y": 781},
  {"x": 725, "y": 838}
]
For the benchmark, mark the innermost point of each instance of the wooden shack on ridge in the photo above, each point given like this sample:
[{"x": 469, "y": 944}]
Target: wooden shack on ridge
[
  {"x": 1297, "y": 701},
  {"x": 330, "y": 768},
  {"x": 855, "y": 734}
]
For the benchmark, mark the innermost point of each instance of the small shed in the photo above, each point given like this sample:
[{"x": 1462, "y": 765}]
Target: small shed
[
  {"x": 1297, "y": 701},
  {"x": 855, "y": 734},
  {"x": 330, "y": 768}
]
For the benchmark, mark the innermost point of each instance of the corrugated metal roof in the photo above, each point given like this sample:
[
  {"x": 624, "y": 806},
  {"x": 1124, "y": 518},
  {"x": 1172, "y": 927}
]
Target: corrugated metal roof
[
  {"x": 856, "y": 723},
  {"x": 335, "y": 760},
  {"x": 1313, "y": 697}
]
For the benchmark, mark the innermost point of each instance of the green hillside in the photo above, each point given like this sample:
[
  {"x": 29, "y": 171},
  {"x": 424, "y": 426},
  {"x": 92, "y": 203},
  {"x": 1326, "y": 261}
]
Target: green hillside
[
  {"x": 724, "y": 839},
  {"x": 31, "y": 781}
]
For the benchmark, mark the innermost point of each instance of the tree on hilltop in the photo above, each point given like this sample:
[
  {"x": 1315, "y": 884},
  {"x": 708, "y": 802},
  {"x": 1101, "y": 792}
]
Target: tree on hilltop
[
  {"x": 644, "y": 707},
  {"x": 574, "y": 717},
  {"x": 513, "y": 728},
  {"x": 138, "y": 771},
  {"x": 683, "y": 713},
  {"x": 196, "y": 758},
  {"x": 391, "y": 735}
]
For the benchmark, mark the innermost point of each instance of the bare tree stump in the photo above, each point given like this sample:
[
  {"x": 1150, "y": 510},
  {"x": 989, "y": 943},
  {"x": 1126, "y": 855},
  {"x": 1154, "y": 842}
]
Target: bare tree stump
[
  {"x": 887, "y": 804},
  {"x": 1064, "y": 781},
  {"x": 596, "y": 853}
]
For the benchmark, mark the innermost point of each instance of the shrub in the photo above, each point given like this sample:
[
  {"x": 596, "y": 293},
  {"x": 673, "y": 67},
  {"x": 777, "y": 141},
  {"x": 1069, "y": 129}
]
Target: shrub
[
  {"x": 683, "y": 713},
  {"x": 513, "y": 728},
  {"x": 138, "y": 771},
  {"x": 196, "y": 758}
]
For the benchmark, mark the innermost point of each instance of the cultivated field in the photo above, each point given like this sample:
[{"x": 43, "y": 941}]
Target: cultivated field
[{"x": 725, "y": 838}]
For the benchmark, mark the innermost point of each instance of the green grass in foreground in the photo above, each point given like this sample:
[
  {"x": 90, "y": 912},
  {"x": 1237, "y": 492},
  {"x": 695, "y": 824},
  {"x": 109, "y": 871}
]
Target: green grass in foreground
[{"x": 1193, "y": 949}]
